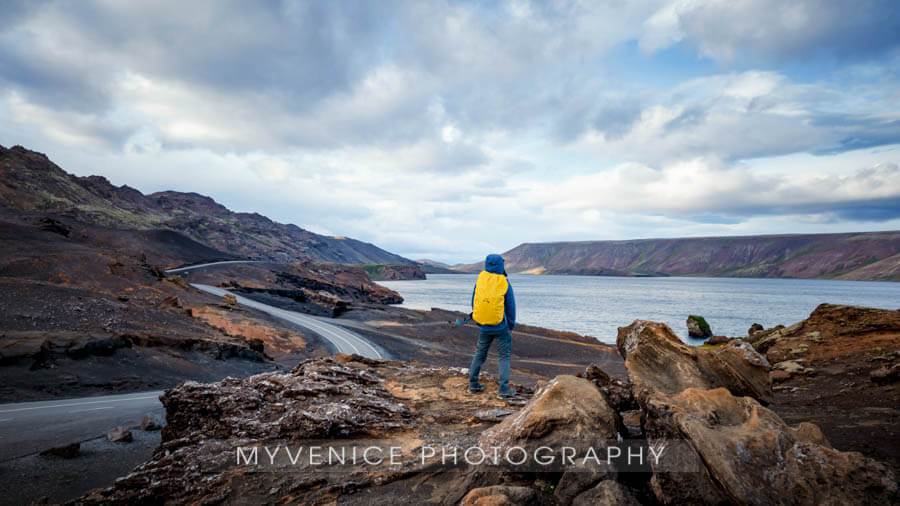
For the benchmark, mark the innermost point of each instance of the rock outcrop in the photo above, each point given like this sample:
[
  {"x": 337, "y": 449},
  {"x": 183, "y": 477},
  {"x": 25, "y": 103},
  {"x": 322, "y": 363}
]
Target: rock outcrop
[
  {"x": 748, "y": 455},
  {"x": 657, "y": 359},
  {"x": 563, "y": 410},
  {"x": 319, "y": 398},
  {"x": 697, "y": 327}
]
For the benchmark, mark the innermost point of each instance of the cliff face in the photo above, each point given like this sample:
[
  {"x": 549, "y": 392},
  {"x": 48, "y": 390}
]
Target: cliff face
[
  {"x": 30, "y": 182},
  {"x": 381, "y": 272},
  {"x": 859, "y": 256}
]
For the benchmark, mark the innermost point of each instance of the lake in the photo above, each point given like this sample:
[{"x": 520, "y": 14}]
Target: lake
[{"x": 597, "y": 305}]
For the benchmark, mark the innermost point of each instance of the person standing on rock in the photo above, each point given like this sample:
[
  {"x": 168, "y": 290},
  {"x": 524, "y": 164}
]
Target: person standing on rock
[{"x": 494, "y": 310}]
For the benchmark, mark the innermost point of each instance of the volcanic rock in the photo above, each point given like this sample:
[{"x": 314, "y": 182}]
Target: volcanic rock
[
  {"x": 606, "y": 493},
  {"x": 319, "y": 398},
  {"x": 885, "y": 375},
  {"x": 656, "y": 359},
  {"x": 119, "y": 435},
  {"x": 50, "y": 225},
  {"x": 618, "y": 393},
  {"x": 562, "y": 410},
  {"x": 151, "y": 421},
  {"x": 499, "y": 495},
  {"x": 793, "y": 367},
  {"x": 716, "y": 340},
  {"x": 697, "y": 327},
  {"x": 493, "y": 415},
  {"x": 748, "y": 455}
]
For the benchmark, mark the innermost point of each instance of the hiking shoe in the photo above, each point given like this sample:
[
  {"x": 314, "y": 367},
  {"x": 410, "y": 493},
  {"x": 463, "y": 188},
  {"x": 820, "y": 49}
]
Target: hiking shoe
[
  {"x": 474, "y": 389},
  {"x": 506, "y": 395}
]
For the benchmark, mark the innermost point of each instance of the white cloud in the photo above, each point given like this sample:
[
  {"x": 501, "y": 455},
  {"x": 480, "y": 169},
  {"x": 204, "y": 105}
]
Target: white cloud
[{"x": 451, "y": 129}]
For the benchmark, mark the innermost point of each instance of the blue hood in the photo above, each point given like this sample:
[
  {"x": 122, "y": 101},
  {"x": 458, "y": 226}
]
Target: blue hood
[{"x": 494, "y": 264}]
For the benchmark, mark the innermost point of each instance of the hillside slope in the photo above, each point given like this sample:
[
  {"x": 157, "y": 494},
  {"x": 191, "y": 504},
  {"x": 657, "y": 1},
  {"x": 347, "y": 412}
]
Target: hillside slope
[
  {"x": 855, "y": 256},
  {"x": 30, "y": 182}
]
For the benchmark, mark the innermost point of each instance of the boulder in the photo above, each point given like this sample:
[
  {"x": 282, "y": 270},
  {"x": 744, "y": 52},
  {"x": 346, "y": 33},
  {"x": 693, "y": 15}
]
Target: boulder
[
  {"x": 119, "y": 435},
  {"x": 717, "y": 340},
  {"x": 576, "y": 482},
  {"x": 885, "y": 375},
  {"x": 779, "y": 376},
  {"x": 747, "y": 455},
  {"x": 606, "y": 493},
  {"x": 754, "y": 329},
  {"x": 499, "y": 495},
  {"x": 792, "y": 367},
  {"x": 493, "y": 415},
  {"x": 562, "y": 410},
  {"x": 657, "y": 360},
  {"x": 152, "y": 421},
  {"x": 697, "y": 326},
  {"x": 69, "y": 451}
]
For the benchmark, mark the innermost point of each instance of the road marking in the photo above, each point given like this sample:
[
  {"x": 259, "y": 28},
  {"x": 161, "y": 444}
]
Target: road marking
[
  {"x": 78, "y": 404},
  {"x": 91, "y": 409}
]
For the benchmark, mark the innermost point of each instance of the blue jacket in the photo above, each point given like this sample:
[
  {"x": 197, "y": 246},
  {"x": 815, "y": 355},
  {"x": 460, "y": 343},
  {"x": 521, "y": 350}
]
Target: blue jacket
[{"x": 494, "y": 264}]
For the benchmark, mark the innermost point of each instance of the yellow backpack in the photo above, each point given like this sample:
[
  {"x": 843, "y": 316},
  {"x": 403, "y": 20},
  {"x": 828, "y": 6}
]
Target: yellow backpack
[{"x": 490, "y": 291}]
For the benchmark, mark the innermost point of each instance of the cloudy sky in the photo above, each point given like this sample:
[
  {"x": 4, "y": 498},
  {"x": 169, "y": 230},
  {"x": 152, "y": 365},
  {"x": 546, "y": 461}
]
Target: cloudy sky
[{"x": 449, "y": 130}]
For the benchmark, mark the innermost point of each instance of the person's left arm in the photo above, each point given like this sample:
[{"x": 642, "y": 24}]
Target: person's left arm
[{"x": 509, "y": 302}]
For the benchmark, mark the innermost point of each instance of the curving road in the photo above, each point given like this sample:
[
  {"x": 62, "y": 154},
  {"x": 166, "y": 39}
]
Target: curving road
[
  {"x": 211, "y": 264},
  {"x": 344, "y": 340}
]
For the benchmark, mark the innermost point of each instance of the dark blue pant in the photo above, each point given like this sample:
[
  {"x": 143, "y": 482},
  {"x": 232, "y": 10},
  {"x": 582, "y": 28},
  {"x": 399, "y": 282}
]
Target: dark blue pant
[{"x": 504, "y": 349}]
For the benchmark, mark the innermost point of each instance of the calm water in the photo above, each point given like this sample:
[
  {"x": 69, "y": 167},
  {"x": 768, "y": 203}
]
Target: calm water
[{"x": 596, "y": 306}]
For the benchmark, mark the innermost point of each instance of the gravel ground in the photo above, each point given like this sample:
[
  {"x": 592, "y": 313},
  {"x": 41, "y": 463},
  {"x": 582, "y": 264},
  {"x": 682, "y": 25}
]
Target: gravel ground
[{"x": 37, "y": 479}]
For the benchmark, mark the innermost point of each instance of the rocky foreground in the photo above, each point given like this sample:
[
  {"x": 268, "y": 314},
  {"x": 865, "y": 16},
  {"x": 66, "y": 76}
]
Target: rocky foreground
[{"x": 709, "y": 404}]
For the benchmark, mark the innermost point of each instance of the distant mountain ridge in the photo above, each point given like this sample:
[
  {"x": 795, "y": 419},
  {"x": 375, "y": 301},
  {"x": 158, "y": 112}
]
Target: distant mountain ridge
[
  {"x": 854, "y": 256},
  {"x": 29, "y": 181}
]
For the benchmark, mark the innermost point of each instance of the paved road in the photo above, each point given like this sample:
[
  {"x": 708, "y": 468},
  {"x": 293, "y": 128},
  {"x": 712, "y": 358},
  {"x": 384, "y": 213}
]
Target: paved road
[
  {"x": 29, "y": 427},
  {"x": 200, "y": 266},
  {"x": 344, "y": 340}
]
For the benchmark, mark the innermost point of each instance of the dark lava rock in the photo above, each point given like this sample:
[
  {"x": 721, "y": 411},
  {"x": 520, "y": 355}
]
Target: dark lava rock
[
  {"x": 319, "y": 398},
  {"x": 51, "y": 225}
]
